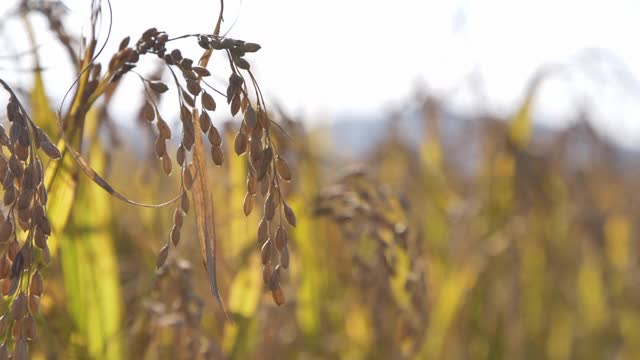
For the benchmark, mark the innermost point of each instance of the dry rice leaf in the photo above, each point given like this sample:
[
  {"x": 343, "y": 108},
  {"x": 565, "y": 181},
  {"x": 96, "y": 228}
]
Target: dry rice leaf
[{"x": 203, "y": 206}]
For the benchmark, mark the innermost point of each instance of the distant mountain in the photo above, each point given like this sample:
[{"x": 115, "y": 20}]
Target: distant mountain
[{"x": 358, "y": 133}]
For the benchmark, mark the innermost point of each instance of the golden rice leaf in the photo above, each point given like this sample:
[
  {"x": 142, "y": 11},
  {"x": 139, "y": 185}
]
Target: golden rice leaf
[
  {"x": 449, "y": 302},
  {"x": 618, "y": 238},
  {"x": 42, "y": 113},
  {"x": 61, "y": 176},
  {"x": 60, "y": 179},
  {"x": 245, "y": 289},
  {"x": 311, "y": 251},
  {"x": 592, "y": 293},
  {"x": 520, "y": 125},
  {"x": 90, "y": 269},
  {"x": 532, "y": 276},
  {"x": 244, "y": 297}
]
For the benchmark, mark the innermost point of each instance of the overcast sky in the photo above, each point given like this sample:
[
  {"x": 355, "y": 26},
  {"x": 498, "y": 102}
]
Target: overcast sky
[{"x": 322, "y": 58}]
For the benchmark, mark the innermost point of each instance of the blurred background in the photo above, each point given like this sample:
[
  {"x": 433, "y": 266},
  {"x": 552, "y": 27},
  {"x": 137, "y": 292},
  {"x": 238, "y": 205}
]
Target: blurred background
[{"x": 465, "y": 178}]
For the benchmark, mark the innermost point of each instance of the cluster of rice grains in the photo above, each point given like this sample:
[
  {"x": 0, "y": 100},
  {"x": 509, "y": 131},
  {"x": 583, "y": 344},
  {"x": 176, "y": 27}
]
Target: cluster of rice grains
[
  {"x": 372, "y": 216},
  {"x": 24, "y": 227},
  {"x": 172, "y": 308},
  {"x": 266, "y": 167}
]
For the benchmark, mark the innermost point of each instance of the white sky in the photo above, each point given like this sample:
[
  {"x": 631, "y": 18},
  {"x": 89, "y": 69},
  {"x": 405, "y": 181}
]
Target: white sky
[{"x": 322, "y": 58}]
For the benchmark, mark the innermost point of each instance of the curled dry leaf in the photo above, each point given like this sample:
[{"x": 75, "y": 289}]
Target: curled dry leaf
[{"x": 205, "y": 222}]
